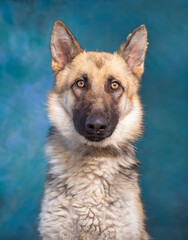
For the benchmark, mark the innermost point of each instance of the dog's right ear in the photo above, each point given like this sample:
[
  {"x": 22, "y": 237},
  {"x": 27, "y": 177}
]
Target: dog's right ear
[{"x": 64, "y": 46}]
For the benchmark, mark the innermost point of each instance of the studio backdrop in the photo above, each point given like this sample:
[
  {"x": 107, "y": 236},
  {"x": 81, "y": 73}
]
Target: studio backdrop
[{"x": 26, "y": 78}]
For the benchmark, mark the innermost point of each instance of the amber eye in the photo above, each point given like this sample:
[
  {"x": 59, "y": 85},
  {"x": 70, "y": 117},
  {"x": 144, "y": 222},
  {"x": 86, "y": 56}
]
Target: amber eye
[
  {"x": 114, "y": 85},
  {"x": 81, "y": 83}
]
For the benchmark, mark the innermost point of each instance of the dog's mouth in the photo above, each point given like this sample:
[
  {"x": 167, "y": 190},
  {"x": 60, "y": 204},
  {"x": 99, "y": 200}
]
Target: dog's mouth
[{"x": 95, "y": 138}]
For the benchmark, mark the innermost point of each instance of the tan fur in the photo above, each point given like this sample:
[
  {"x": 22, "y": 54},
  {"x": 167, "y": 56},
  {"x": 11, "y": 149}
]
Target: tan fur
[{"x": 92, "y": 190}]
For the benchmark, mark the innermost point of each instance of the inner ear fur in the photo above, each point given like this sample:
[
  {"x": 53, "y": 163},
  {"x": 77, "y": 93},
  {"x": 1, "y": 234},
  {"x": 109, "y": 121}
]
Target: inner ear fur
[
  {"x": 64, "y": 46},
  {"x": 133, "y": 50}
]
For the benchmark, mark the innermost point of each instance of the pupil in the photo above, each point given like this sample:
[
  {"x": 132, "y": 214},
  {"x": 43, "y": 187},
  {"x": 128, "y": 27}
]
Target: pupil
[{"x": 81, "y": 83}]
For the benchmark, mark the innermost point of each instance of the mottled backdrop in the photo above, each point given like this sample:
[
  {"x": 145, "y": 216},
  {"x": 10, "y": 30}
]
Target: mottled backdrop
[{"x": 25, "y": 80}]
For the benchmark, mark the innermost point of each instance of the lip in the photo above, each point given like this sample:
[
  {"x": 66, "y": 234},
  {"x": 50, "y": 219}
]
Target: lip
[{"x": 95, "y": 138}]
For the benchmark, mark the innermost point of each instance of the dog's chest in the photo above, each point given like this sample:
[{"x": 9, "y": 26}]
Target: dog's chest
[{"x": 99, "y": 207}]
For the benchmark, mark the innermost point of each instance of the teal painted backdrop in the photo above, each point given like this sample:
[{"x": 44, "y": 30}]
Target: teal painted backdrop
[{"x": 25, "y": 80}]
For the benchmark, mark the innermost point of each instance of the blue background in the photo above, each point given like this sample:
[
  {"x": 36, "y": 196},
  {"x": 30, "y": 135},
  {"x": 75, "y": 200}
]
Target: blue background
[{"x": 26, "y": 78}]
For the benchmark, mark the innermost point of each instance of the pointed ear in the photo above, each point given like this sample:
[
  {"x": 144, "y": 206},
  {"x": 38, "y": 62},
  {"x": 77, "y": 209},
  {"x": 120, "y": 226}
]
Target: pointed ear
[
  {"x": 133, "y": 50},
  {"x": 64, "y": 46}
]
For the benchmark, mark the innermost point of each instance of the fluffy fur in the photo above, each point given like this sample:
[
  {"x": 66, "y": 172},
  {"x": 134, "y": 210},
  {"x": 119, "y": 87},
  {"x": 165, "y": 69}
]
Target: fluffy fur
[{"x": 92, "y": 191}]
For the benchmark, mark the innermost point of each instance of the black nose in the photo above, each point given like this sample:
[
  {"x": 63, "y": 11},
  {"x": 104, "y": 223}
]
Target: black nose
[{"x": 96, "y": 124}]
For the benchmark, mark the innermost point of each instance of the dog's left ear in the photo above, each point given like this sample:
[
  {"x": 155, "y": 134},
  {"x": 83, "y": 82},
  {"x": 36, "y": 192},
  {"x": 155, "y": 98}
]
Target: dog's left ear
[{"x": 133, "y": 50}]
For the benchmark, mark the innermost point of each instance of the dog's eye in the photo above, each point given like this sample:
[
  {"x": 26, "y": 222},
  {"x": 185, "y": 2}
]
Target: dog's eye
[
  {"x": 80, "y": 83},
  {"x": 115, "y": 85}
]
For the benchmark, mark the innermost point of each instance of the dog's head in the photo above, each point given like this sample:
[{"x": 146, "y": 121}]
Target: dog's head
[{"x": 95, "y": 96}]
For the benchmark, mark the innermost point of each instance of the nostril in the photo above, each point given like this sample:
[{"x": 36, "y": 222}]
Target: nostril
[
  {"x": 90, "y": 127},
  {"x": 102, "y": 128}
]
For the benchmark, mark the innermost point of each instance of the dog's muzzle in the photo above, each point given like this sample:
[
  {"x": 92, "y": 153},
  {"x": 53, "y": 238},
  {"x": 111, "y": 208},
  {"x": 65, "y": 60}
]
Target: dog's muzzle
[{"x": 94, "y": 127}]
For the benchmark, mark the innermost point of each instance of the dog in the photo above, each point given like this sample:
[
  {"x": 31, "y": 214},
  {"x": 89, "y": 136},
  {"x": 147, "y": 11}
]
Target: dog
[{"x": 92, "y": 190}]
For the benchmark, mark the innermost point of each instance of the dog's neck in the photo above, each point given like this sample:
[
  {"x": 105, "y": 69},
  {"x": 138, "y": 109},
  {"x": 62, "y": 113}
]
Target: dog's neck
[{"x": 89, "y": 164}]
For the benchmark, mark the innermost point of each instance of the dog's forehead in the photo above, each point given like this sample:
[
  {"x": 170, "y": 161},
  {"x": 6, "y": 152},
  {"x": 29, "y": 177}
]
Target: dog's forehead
[
  {"x": 100, "y": 64},
  {"x": 99, "y": 58}
]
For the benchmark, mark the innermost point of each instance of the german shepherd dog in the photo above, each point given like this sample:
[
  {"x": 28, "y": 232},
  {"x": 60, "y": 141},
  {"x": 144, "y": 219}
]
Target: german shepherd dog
[{"x": 92, "y": 190}]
